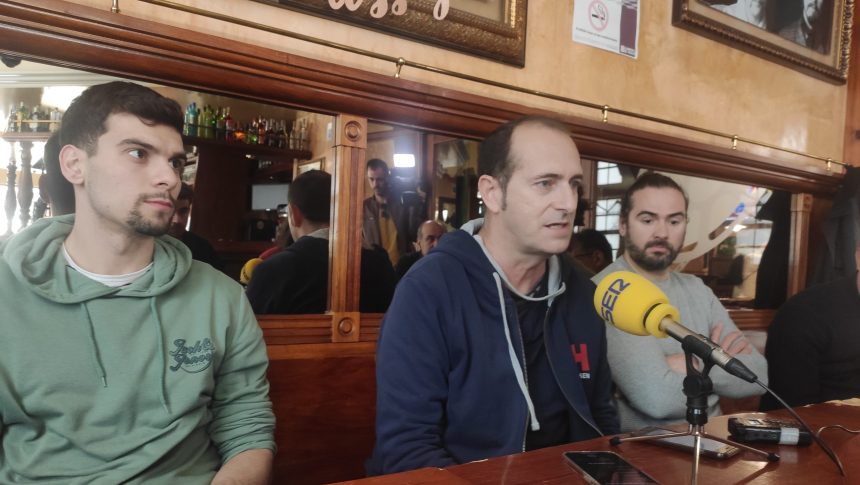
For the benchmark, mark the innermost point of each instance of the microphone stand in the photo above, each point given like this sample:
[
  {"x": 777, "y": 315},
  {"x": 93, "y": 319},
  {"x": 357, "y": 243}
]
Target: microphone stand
[{"x": 697, "y": 387}]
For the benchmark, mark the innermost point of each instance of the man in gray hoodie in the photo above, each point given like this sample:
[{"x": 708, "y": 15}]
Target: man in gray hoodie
[{"x": 648, "y": 371}]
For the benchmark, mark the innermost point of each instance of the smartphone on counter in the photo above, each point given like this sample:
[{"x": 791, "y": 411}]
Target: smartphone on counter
[
  {"x": 606, "y": 468},
  {"x": 710, "y": 448}
]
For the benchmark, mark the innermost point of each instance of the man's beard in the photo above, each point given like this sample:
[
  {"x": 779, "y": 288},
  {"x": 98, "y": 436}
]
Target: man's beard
[
  {"x": 650, "y": 263},
  {"x": 141, "y": 225}
]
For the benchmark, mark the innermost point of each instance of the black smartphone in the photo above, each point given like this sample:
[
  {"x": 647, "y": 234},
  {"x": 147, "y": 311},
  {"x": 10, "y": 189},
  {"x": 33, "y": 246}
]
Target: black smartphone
[
  {"x": 783, "y": 432},
  {"x": 710, "y": 448},
  {"x": 606, "y": 468}
]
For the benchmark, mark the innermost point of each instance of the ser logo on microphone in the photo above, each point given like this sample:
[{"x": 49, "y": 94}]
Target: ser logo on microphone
[{"x": 607, "y": 304}]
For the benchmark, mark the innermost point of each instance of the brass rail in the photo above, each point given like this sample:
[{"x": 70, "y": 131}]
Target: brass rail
[{"x": 399, "y": 62}]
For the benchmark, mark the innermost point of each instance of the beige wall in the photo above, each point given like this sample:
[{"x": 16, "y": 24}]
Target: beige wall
[{"x": 679, "y": 75}]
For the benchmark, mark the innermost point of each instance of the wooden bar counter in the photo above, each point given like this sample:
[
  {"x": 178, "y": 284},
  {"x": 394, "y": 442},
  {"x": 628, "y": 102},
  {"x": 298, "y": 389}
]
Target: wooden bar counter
[{"x": 798, "y": 465}]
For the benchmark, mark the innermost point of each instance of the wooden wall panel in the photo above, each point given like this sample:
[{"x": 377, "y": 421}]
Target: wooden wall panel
[{"x": 324, "y": 398}]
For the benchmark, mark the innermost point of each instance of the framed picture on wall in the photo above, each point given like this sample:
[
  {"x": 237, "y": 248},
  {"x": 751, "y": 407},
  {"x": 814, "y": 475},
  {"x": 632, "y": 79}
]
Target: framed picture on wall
[
  {"x": 494, "y": 29},
  {"x": 813, "y": 36},
  {"x": 307, "y": 165}
]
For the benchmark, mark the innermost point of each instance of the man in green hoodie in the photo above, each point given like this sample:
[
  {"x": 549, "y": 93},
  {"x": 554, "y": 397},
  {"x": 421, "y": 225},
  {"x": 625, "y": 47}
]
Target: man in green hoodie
[{"x": 121, "y": 359}]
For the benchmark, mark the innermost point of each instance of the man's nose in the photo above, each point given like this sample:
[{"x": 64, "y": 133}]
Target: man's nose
[
  {"x": 661, "y": 229},
  {"x": 567, "y": 200}
]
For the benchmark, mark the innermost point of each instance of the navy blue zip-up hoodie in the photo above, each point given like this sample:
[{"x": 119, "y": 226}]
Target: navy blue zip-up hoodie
[{"x": 450, "y": 386}]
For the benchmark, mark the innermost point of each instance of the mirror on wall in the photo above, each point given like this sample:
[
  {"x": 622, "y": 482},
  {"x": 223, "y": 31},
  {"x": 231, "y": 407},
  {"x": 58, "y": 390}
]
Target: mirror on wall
[
  {"x": 736, "y": 239},
  {"x": 243, "y": 157}
]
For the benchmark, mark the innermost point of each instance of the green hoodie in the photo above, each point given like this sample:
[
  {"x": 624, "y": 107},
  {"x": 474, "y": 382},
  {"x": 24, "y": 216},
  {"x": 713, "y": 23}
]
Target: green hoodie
[{"x": 159, "y": 381}]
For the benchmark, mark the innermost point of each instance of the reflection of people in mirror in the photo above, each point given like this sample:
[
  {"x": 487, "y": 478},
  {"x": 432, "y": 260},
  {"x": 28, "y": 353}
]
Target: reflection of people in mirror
[
  {"x": 750, "y": 11},
  {"x": 810, "y": 29}
]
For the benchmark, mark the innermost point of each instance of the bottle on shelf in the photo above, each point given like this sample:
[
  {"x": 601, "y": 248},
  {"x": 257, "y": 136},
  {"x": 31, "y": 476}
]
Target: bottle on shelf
[
  {"x": 21, "y": 115},
  {"x": 294, "y": 136},
  {"x": 271, "y": 137},
  {"x": 55, "y": 118},
  {"x": 261, "y": 131},
  {"x": 239, "y": 134},
  {"x": 12, "y": 119},
  {"x": 229, "y": 125},
  {"x": 191, "y": 118},
  {"x": 252, "y": 132},
  {"x": 221, "y": 125},
  {"x": 283, "y": 136},
  {"x": 303, "y": 135}
]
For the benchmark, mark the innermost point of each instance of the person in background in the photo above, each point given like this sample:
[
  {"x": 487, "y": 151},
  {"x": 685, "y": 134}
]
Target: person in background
[
  {"x": 385, "y": 224},
  {"x": 429, "y": 233},
  {"x": 295, "y": 280},
  {"x": 492, "y": 345},
  {"x": 813, "y": 344},
  {"x": 649, "y": 371},
  {"x": 591, "y": 249},
  {"x": 123, "y": 359},
  {"x": 201, "y": 249}
]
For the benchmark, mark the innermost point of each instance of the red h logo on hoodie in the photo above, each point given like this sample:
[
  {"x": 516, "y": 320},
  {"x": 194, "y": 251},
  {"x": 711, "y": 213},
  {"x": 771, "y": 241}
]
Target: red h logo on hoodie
[{"x": 581, "y": 356}]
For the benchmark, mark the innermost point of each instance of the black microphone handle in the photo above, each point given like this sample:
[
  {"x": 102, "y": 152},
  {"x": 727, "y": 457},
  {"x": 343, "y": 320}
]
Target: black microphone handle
[{"x": 702, "y": 347}]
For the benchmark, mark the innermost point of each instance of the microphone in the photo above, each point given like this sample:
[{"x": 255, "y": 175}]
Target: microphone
[{"x": 629, "y": 302}]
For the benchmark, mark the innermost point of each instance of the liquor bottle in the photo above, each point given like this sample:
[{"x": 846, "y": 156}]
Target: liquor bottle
[
  {"x": 12, "y": 119},
  {"x": 221, "y": 125},
  {"x": 283, "y": 136},
  {"x": 34, "y": 117},
  {"x": 213, "y": 123},
  {"x": 239, "y": 134},
  {"x": 56, "y": 117},
  {"x": 20, "y": 116},
  {"x": 252, "y": 132},
  {"x": 191, "y": 117},
  {"x": 294, "y": 136},
  {"x": 271, "y": 136},
  {"x": 261, "y": 131},
  {"x": 303, "y": 134},
  {"x": 229, "y": 125}
]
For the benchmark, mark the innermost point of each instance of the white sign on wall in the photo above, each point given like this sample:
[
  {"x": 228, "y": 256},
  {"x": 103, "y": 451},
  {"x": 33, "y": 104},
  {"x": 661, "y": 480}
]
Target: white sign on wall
[{"x": 612, "y": 25}]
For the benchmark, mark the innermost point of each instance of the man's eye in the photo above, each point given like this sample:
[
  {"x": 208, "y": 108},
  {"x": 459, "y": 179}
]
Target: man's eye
[
  {"x": 177, "y": 163},
  {"x": 137, "y": 153},
  {"x": 544, "y": 183},
  {"x": 647, "y": 221}
]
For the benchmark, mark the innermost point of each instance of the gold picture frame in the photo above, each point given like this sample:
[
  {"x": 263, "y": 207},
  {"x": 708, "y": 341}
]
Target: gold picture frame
[
  {"x": 780, "y": 31},
  {"x": 303, "y": 166},
  {"x": 493, "y": 29}
]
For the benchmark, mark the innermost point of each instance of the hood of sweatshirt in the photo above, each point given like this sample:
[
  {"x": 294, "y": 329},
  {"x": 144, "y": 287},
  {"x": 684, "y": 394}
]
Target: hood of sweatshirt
[{"x": 35, "y": 257}]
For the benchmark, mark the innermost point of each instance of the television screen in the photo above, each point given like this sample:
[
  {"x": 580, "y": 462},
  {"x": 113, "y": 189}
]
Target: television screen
[{"x": 268, "y": 196}]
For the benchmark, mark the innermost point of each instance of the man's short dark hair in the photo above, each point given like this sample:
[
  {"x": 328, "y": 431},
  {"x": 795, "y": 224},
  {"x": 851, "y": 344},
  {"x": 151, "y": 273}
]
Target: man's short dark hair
[
  {"x": 61, "y": 192},
  {"x": 590, "y": 240},
  {"x": 649, "y": 179},
  {"x": 494, "y": 155},
  {"x": 84, "y": 121},
  {"x": 186, "y": 193},
  {"x": 376, "y": 164},
  {"x": 310, "y": 192}
]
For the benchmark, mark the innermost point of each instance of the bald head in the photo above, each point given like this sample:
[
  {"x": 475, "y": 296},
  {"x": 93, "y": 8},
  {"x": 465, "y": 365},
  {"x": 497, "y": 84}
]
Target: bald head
[{"x": 429, "y": 233}]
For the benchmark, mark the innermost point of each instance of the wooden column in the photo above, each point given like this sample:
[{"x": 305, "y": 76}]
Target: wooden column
[
  {"x": 25, "y": 187},
  {"x": 801, "y": 207},
  {"x": 10, "y": 203},
  {"x": 345, "y": 238}
]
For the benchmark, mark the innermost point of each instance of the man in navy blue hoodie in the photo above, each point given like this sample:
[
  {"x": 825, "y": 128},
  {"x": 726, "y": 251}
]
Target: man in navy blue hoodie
[{"x": 491, "y": 345}]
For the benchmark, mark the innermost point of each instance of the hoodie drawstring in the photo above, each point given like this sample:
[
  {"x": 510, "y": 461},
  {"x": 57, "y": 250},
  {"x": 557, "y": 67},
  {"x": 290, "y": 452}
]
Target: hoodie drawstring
[
  {"x": 97, "y": 360},
  {"x": 518, "y": 371},
  {"x": 159, "y": 337}
]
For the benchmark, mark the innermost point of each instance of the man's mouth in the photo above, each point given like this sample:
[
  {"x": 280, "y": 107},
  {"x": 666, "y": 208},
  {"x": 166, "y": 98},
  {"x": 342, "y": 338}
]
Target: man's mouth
[{"x": 162, "y": 203}]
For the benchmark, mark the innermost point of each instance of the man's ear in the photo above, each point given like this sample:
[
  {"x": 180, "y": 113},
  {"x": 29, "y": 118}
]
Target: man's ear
[
  {"x": 491, "y": 193},
  {"x": 296, "y": 216},
  {"x": 622, "y": 227},
  {"x": 72, "y": 164}
]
